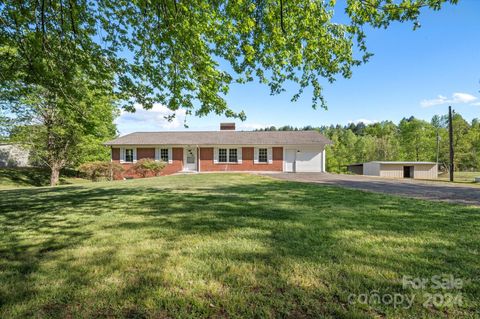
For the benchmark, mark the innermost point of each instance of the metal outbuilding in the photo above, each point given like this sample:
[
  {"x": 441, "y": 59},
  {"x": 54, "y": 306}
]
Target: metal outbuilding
[{"x": 417, "y": 170}]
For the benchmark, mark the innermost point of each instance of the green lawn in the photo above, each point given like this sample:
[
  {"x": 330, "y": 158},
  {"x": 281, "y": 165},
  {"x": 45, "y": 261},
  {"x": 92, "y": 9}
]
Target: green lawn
[
  {"x": 226, "y": 246},
  {"x": 31, "y": 176},
  {"x": 460, "y": 177}
]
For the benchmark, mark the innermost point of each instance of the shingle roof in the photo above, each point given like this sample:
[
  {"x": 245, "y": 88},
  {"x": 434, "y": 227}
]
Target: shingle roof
[{"x": 223, "y": 138}]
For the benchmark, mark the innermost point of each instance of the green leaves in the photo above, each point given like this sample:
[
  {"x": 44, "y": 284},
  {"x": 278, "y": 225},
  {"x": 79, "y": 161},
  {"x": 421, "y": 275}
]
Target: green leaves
[
  {"x": 98, "y": 170},
  {"x": 186, "y": 54},
  {"x": 147, "y": 166},
  {"x": 411, "y": 140}
]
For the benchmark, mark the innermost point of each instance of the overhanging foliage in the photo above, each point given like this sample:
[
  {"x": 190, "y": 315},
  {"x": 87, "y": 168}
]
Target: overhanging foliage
[{"x": 187, "y": 54}]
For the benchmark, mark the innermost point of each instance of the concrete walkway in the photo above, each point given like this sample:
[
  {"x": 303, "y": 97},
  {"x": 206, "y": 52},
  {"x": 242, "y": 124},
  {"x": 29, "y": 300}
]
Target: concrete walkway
[{"x": 430, "y": 190}]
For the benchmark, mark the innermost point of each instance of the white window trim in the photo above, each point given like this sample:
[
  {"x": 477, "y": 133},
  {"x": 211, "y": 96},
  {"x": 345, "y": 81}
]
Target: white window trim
[
  {"x": 269, "y": 156},
  {"x": 123, "y": 154},
  {"x": 226, "y": 155},
  {"x": 158, "y": 154},
  {"x": 216, "y": 153},
  {"x": 170, "y": 156},
  {"x": 239, "y": 155}
]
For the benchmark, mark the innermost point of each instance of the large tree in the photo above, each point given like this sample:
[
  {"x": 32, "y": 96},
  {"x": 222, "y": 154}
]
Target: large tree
[
  {"x": 186, "y": 54},
  {"x": 182, "y": 54},
  {"x": 417, "y": 139},
  {"x": 386, "y": 140},
  {"x": 56, "y": 84},
  {"x": 59, "y": 133}
]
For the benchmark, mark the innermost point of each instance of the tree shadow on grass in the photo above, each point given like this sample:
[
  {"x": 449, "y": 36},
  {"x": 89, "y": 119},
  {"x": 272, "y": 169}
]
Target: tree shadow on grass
[
  {"x": 339, "y": 241},
  {"x": 32, "y": 176},
  {"x": 21, "y": 258}
]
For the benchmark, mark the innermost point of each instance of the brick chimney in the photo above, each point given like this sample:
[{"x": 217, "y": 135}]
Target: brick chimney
[{"x": 227, "y": 126}]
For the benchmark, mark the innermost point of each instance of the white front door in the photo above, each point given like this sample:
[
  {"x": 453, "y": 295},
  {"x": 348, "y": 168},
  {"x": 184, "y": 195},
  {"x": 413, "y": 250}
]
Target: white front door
[
  {"x": 190, "y": 159},
  {"x": 290, "y": 160}
]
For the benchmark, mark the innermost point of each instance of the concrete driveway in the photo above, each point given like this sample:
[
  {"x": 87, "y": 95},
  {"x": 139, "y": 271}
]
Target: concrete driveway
[{"x": 431, "y": 190}]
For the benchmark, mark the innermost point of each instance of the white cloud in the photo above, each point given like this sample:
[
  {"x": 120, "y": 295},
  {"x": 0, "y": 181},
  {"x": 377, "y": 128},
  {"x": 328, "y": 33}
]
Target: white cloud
[
  {"x": 438, "y": 101},
  {"x": 154, "y": 119},
  {"x": 457, "y": 98},
  {"x": 364, "y": 121},
  {"x": 476, "y": 104},
  {"x": 463, "y": 98}
]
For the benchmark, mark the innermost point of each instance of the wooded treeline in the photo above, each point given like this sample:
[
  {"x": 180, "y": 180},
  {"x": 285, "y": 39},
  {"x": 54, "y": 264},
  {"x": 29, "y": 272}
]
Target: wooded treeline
[{"x": 411, "y": 139}]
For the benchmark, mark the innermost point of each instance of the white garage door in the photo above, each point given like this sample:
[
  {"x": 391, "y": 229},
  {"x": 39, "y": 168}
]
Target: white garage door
[{"x": 308, "y": 161}]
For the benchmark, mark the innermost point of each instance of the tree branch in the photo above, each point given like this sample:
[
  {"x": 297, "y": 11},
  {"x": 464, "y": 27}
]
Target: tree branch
[
  {"x": 42, "y": 17},
  {"x": 281, "y": 17},
  {"x": 72, "y": 19}
]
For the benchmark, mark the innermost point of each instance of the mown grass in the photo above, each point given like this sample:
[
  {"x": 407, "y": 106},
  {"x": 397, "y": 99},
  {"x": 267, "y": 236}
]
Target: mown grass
[
  {"x": 226, "y": 246},
  {"x": 32, "y": 176},
  {"x": 461, "y": 177}
]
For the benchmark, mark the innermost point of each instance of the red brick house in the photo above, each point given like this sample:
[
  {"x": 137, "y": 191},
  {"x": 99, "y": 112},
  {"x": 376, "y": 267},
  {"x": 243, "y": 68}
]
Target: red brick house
[{"x": 225, "y": 150}]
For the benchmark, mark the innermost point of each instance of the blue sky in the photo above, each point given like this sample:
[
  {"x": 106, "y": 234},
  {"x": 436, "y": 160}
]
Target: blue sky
[{"x": 415, "y": 73}]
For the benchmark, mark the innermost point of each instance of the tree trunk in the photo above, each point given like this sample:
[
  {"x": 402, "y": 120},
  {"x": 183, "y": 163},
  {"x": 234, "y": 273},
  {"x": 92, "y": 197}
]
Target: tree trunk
[{"x": 54, "y": 175}]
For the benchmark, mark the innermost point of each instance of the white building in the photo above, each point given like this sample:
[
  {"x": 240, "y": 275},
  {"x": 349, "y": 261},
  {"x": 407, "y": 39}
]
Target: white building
[{"x": 417, "y": 170}]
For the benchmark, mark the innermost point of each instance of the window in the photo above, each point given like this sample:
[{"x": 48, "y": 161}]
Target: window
[
  {"x": 164, "y": 154},
  {"x": 232, "y": 155},
  {"x": 262, "y": 155},
  {"x": 228, "y": 155},
  {"x": 129, "y": 155},
  {"x": 190, "y": 156},
  {"x": 222, "y": 155}
]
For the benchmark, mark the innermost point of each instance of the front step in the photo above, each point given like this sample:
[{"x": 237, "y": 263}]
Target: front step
[{"x": 185, "y": 173}]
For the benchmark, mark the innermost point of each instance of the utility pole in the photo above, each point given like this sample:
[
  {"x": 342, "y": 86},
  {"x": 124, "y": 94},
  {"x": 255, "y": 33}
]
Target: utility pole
[
  {"x": 450, "y": 136},
  {"x": 438, "y": 145}
]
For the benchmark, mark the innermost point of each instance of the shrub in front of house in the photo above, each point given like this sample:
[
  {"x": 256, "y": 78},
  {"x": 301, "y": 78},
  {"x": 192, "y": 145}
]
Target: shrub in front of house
[
  {"x": 147, "y": 166},
  {"x": 101, "y": 170}
]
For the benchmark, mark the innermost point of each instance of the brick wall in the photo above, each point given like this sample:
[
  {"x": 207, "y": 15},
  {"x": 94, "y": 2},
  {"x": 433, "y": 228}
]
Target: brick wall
[
  {"x": 175, "y": 166},
  {"x": 207, "y": 165},
  {"x": 115, "y": 154},
  {"x": 206, "y": 161},
  {"x": 145, "y": 153}
]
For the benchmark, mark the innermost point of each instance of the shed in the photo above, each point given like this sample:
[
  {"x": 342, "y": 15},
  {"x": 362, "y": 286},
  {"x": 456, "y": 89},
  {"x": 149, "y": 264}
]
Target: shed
[
  {"x": 356, "y": 168},
  {"x": 417, "y": 170}
]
